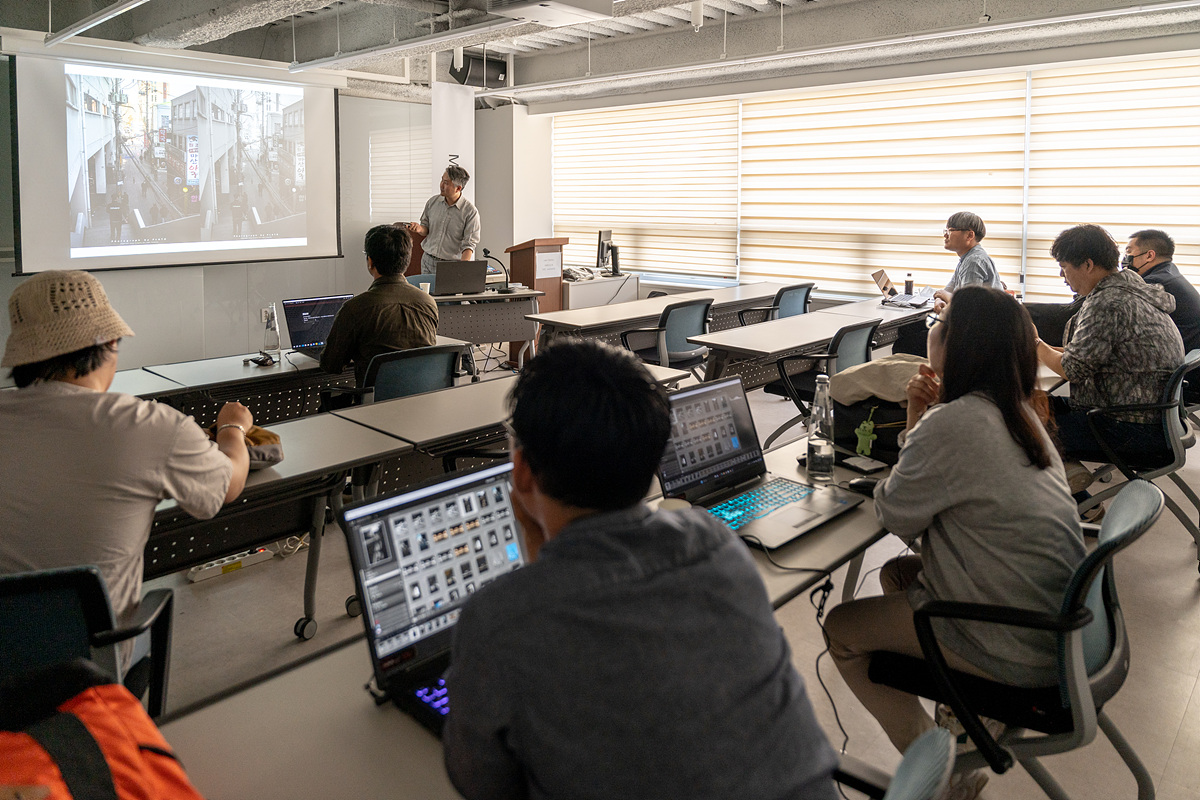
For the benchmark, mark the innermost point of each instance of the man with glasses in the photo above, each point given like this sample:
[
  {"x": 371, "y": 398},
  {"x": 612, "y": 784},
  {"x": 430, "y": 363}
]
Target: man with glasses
[
  {"x": 1149, "y": 253},
  {"x": 637, "y": 656},
  {"x": 962, "y": 235}
]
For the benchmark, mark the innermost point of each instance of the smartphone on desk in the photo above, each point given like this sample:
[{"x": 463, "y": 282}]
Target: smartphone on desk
[{"x": 863, "y": 464}]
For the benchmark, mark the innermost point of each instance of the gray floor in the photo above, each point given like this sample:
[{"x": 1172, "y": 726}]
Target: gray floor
[{"x": 235, "y": 627}]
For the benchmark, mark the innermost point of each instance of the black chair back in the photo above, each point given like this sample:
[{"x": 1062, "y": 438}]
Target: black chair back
[{"x": 408, "y": 372}]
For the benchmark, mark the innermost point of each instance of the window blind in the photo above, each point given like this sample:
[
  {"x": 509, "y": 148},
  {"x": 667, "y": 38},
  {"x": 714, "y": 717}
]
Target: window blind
[
  {"x": 1117, "y": 144},
  {"x": 399, "y": 173},
  {"x": 843, "y": 181},
  {"x": 662, "y": 178}
]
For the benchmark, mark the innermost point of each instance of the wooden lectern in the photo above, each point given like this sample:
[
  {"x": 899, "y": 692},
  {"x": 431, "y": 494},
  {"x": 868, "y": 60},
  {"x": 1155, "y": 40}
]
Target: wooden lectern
[{"x": 523, "y": 268}]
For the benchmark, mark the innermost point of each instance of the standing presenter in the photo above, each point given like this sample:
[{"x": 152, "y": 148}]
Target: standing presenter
[{"x": 449, "y": 223}]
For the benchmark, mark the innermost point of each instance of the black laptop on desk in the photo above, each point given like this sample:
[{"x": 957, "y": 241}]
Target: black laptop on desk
[
  {"x": 309, "y": 320},
  {"x": 417, "y": 556},
  {"x": 460, "y": 277},
  {"x": 713, "y": 460}
]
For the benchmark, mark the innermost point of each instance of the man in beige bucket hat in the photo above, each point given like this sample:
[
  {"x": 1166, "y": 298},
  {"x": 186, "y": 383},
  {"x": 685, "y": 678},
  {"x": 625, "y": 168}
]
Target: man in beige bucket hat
[{"x": 83, "y": 468}]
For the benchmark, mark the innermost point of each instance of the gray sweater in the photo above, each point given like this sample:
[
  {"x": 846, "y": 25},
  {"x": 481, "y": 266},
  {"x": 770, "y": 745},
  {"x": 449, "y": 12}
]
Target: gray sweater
[
  {"x": 996, "y": 529},
  {"x": 638, "y": 657}
]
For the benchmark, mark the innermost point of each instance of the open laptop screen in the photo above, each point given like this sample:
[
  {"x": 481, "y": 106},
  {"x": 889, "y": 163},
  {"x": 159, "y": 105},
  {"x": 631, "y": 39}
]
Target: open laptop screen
[
  {"x": 420, "y": 554},
  {"x": 310, "y": 318},
  {"x": 713, "y": 444}
]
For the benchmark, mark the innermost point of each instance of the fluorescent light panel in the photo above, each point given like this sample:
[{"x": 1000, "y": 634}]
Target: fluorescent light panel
[{"x": 100, "y": 17}]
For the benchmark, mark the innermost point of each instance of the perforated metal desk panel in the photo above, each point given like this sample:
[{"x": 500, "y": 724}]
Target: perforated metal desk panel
[{"x": 489, "y": 316}]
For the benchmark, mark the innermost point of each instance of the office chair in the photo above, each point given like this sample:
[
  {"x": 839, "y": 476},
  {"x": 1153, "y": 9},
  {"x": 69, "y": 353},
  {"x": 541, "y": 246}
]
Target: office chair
[
  {"x": 922, "y": 775},
  {"x": 789, "y": 301},
  {"x": 849, "y": 347},
  {"x": 655, "y": 293},
  {"x": 402, "y": 373},
  {"x": 424, "y": 277},
  {"x": 666, "y": 344},
  {"x": 1093, "y": 661},
  {"x": 53, "y": 616},
  {"x": 1179, "y": 435}
]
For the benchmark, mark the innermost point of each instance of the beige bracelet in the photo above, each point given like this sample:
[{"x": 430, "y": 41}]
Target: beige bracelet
[{"x": 231, "y": 425}]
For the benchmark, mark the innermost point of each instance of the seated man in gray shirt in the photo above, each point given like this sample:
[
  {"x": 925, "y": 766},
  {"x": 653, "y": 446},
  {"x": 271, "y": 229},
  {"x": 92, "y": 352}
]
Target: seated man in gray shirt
[
  {"x": 962, "y": 235},
  {"x": 637, "y": 656}
]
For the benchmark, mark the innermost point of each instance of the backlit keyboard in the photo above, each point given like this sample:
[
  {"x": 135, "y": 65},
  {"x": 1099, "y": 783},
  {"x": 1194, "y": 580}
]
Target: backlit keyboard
[
  {"x": 743, "y": 509},
  {"x": 435, "y": 697}
]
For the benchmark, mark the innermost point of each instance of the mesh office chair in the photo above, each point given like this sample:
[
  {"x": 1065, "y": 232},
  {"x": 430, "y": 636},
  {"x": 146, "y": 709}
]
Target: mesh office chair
[
  {"x": 849, "y": 347},
  {"x": 52, "y": 616},
  {"x": 666, "y": 344},
  {"x": 403, "y": 373},
  {"x": 1093, "y": 661},
  {"x": 655, "y": 293},
  {"x": 789, "y": 301},
  {"x": 1179, "y": 437}
]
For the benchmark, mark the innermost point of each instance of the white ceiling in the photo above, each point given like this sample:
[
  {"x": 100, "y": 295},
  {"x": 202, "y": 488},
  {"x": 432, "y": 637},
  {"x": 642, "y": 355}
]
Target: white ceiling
[{"x": 647, "y": 45}]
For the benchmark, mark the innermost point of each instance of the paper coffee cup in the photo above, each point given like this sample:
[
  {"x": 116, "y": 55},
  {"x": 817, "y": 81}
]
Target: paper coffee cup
[{"x": 425, "y": 287}]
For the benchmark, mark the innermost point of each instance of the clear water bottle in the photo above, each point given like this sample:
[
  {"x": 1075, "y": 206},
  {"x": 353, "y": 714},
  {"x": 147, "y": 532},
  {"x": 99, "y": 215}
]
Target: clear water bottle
[
  {"x": 820, "y": 434},
  {"x": 271, "y": 334},
  {"x": 908, "y": 283}
]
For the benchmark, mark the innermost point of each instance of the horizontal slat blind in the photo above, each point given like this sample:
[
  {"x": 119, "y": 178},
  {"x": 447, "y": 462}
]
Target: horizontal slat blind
[
  {"x": 663, "y": 178},
  {"x": 1117, "y": 144},
  {"x": 399, "y": 169},
  {"x": 840, "y": 182}
]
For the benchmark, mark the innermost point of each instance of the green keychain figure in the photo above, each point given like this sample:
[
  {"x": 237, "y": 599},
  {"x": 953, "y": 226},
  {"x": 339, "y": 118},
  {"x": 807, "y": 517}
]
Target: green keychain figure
[{"x": 866, "y": 434}]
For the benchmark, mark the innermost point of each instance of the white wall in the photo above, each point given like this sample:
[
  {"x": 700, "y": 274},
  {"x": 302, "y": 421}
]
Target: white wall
[
  {"x": 184, "y": 313},
  {"x": 513, "y": 168}
]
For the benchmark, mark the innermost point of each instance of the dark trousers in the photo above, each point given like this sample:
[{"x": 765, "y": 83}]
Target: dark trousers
[{"x": 1142, "y": 445}]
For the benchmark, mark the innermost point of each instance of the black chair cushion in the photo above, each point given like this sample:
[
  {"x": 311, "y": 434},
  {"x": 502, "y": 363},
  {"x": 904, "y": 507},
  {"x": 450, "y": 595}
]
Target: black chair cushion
[
  {"x": 1037, "y": 709},
  {"x": 650, "y": 356},
  {"x": 805, "y": 383}
]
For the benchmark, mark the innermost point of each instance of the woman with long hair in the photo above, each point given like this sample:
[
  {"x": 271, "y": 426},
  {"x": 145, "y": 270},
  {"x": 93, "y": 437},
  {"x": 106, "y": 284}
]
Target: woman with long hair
[{"x": 980, "y": 482}]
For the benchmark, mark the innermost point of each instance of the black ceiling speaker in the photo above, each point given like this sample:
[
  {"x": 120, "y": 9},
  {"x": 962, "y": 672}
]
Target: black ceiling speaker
[{"x": 475, "y": 70}]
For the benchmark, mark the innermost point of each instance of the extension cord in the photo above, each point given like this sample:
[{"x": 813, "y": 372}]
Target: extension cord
[{"x": 228, "y": 564}]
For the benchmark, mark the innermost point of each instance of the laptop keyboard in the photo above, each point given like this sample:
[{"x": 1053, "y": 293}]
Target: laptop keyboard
[
  {"x": 739, "y": 511},
  {"x": 435, "y": 696}
]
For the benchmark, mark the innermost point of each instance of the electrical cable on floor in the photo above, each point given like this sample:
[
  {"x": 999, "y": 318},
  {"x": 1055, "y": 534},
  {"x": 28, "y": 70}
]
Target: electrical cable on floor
[
  {"x": 291, "y": 545},
  {"x": 825, "y": 590}
]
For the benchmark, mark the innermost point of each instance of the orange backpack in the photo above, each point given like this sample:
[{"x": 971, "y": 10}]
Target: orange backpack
[{"x": 96, "y": 744}]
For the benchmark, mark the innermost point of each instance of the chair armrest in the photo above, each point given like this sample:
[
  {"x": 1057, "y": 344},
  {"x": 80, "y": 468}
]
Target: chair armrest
[
  {"x": 137, "y": 621},
  {"x": 625, "y": 335},
  {"x": 742, "y": 312},
  {"x": 1095, "y": 413},
  {"x": 1138, "y": 407},
  {"x": 1003, "y": 615}
]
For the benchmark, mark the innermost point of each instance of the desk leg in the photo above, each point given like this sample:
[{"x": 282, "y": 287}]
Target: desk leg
[
  {"x": 852, "y": 570},
  {"x": 306, "y": 626},
  {"x": 718, "y": 360}
]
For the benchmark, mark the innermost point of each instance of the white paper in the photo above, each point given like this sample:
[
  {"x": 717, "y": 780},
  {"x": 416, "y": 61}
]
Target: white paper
[{"x": 548, "y": 265}]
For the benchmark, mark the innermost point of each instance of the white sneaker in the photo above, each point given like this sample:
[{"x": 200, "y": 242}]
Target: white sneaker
[
  {"x": 1079, "y": 477},
  {"x": 965, "y": 785},
  {"x": 944, "y": 717}
]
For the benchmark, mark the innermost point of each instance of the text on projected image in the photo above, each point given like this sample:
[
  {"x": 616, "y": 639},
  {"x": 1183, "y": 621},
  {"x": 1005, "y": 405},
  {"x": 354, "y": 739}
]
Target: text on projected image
[{"x": 160, "y": 163}]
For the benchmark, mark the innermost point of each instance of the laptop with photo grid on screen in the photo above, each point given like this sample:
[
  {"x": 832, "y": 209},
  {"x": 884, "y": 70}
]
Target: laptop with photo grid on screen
[
  {"x": 713, "y": 460},
  {"x": 309, "y": 320},
  {"x": 417, "y": 555}
]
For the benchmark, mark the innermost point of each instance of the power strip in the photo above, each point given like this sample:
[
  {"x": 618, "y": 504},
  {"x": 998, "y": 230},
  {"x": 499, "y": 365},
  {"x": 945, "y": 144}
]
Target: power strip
[{"x": 228, "y": 564}]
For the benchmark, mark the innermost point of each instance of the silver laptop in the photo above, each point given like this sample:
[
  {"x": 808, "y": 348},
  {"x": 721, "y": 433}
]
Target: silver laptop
[
  {"x": 713, "y": 460},
  {"x": 309, "y": 320}
]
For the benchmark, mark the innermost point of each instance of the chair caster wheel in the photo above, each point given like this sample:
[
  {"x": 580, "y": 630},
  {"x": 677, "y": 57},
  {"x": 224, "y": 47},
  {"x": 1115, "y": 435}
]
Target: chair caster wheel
[
  {"x": 353, "y": 606},
  {"x": 305, "y": 628}
]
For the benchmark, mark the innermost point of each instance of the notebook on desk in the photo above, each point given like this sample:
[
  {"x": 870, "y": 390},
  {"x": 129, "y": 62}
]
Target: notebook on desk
[
  {"x": 309, "y": 320},
  {"x": 417, "y": 556},
  {"x": 713, "y": 460}
]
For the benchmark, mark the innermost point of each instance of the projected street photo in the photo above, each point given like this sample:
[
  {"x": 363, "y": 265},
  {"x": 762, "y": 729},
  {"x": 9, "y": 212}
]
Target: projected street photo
[{"x": 160, "y": 163}]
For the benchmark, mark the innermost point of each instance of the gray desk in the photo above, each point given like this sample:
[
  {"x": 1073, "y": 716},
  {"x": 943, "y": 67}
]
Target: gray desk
[
  {"x": 490, "y": 317},
  {"x": 608, "y": 322},
  {"x": 752, "y": 351},
  {"x": 314, "y": 732},
  {"x": 311, "y": 732},
  {"x": 288, "y": 389},
  {"x": 669, "y": 377},
  {"x": 142, "y": 383},
  {"x": 286, "y": 500},
  {"x": 892, "y": 316}
]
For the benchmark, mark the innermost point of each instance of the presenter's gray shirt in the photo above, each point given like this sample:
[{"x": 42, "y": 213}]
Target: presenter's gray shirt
[
  {"x": 452, "y": 229},
  {"x": 974, "y": 268},
  {"x": 638, "y": 657}
]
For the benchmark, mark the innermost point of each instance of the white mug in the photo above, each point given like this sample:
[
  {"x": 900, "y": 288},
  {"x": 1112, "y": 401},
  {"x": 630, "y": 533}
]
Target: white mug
[{"x": 425, "y": 287}]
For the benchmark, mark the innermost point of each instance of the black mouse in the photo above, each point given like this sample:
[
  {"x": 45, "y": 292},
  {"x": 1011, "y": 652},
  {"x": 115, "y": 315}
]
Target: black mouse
[{"x": 863, "y": 486}]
